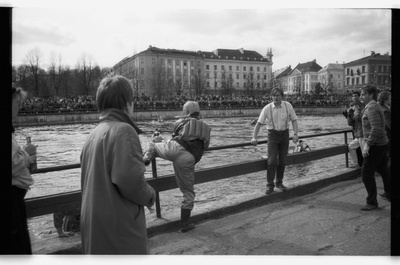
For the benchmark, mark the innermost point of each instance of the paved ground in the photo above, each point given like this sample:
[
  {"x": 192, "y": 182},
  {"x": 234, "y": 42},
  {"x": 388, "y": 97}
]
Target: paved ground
[
  {"x": 305, "y": 220},
  {"x": 327, "y": 222}
]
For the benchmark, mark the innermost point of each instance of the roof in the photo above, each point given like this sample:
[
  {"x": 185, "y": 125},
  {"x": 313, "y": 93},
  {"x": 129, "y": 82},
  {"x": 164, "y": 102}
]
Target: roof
[
  {"x": 311, "y": 66},
  {"x": 332, "y": 66},
  {"x": 282, "y": 72},
  {"x": 372, "y": 57}
]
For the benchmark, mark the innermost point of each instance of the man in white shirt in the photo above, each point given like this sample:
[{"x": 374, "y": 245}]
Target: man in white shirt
[{"x": 276, "y": 115}]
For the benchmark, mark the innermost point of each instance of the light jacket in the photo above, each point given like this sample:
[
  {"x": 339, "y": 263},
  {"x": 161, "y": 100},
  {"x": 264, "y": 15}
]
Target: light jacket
[
  {"x": 114, "y": 189},
  {"x": 20, "y": 176}
]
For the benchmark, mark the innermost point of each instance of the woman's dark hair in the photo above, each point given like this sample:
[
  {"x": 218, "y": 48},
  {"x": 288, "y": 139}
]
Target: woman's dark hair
[{"x": 382, "y": 96}]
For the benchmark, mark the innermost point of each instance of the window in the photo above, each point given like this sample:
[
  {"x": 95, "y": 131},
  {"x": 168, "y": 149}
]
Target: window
[
  {"x": 265, "y": 77},
  {"x": 230, "y": 76},
  {"x": 363, "y": 69},
  {"x": 215, "y": 67},
  {"x": 251, "y": 68},
  {"x": 258, "y": 69},
  {"x": 237, "y": 84},
  {"x": 348, "y": 71},
  {"x": 384, "y": 68},
  {"x": 184, "y": 64},
  {"x": 223, "y": 76},
  {"x": 265, "y": 69},
  {"x": 142, "y": 60},
  {"x": 237, "y": 68},
  {"x": 207, "y": 67},
  {"x": 169, "y": 61},
  {"x": 237, "y": 76},
  {"x": 363, "y": 79},
  {"x": 379, "y": 68},
  {"x": 244, "y": 68},
  {"x": 208, "y": 84},
  {"x": 339, "y": 84},
  {"x": 222, "y": 67},
  {"x": 331, "y": 76},
  {"x": 230, "y": 67},
  {"x": 244, "y": 76},
  {"x": 142, "y": 71},
  {"x": 208, "y": 75}
]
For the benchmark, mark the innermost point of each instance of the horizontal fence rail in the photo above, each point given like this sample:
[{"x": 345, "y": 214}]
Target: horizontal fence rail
[{"x": 72, "y": 200}]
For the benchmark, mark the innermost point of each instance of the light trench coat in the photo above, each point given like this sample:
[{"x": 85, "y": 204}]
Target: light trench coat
[{"x": 114, "y": 190}]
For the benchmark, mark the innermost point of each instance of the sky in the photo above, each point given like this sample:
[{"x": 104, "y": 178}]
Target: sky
[{"x": 107, "y": 33}]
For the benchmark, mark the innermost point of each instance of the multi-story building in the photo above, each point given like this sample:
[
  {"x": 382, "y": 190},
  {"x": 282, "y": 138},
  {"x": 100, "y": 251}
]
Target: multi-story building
[
  {"x": 303, "y": 78},
  {"x": 169, "y": 72},
  {"x": 280, "y": 78},
  {"x": 331, "y": 78},
  {"x": 375, "y": 69}
]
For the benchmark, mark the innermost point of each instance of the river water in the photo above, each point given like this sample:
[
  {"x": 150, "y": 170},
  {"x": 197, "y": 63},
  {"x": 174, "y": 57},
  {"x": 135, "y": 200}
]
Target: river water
[{"x": 61, "y": 145}]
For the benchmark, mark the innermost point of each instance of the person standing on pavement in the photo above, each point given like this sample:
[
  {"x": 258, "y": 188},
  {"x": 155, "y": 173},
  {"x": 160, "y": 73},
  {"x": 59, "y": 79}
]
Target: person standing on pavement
[
  {"x": 385, "y": 102},
  {"x": 276, "y": 115},
  {"x": 375, "y": 148},
  {"x": 190, "y": 137},
  {"x": 114, "y": 190},
  {"x": 21, "y": 181},
  {"x": 354, "y": 119}
]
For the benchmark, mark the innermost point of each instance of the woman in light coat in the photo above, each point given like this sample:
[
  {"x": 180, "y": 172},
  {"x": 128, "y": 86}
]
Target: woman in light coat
[{"x": 114, "y": 190}]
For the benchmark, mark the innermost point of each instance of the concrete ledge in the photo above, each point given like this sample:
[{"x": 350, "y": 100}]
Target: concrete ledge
[{"x": 73, "y": 246}]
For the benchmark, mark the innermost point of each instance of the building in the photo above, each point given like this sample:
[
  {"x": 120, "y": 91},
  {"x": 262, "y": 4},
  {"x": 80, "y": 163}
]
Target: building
[
  {"x": 303, "y": 78},
  {"x": 280, "y": 78},
  {"x": 169, "y": 72},
  {"x": 331, "y": 78},
  {"x": 375, "y": 69}
]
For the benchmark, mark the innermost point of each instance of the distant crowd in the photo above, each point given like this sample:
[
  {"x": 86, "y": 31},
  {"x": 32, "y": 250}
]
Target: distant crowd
[{"x": 88, "y": 103}]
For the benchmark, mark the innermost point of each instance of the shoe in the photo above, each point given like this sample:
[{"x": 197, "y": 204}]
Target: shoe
[
  {"x": 369, "y": 207},
  {"x": 185, "y": 224},
  {"x": 385, "y": 196},
  {"x": 281, "y": 187},
  {"x": 269, "y": 191}
]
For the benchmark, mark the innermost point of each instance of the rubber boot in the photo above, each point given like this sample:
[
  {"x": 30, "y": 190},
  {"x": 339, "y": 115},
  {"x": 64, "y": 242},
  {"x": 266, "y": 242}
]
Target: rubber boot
[{"x": 185, "y": 225}]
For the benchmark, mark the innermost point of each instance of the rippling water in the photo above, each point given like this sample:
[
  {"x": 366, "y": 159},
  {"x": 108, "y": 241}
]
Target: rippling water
[{"x": 61, "y": 145}]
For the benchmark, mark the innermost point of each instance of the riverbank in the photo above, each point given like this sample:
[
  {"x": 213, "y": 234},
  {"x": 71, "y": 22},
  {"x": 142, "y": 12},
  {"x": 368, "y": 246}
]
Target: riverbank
[{"x": 93, "y": 117}]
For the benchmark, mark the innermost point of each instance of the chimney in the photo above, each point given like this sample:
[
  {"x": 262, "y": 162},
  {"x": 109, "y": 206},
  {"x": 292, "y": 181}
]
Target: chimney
[{"x": 372, "y": 53}]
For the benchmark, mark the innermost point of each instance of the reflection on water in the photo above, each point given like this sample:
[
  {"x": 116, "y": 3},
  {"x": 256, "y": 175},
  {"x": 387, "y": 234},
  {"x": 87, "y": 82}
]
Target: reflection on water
[{"x": 61, "y": 145}]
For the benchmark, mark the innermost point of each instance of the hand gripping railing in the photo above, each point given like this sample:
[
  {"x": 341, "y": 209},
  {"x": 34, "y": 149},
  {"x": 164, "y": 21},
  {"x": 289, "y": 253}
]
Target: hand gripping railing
[{"x": 72, "y": 200}]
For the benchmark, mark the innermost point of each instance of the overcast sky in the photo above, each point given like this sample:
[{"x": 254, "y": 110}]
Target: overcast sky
[{"x": 110, "y": 33}]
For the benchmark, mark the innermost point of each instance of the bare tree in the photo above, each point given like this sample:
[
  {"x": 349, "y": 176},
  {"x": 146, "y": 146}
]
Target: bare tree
[
  {"x": 55, "y": 71},
  {"x": 32, "y": 59},
  {"x": 158, "y": 80},
  {"x": 84, "y": 71},
  {"x": 199, "y": 82},
  {"x": 65, "y": 79}
]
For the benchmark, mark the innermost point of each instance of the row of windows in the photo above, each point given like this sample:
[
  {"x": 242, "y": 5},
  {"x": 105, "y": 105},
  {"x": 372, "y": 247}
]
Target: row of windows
[
  {"x": 378, "y": 69},
  {"x": 230, "y": 67},
  {"x": 245, "y": 76},
  {"x": 245, "y": 85}
]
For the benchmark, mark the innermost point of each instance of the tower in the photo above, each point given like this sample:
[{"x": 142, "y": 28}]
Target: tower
[{"x": 269, "y": 54}]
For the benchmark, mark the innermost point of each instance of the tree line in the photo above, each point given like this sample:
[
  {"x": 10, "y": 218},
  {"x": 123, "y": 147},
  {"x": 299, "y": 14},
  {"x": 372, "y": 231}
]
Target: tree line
[{"x": 46, "y": 79}]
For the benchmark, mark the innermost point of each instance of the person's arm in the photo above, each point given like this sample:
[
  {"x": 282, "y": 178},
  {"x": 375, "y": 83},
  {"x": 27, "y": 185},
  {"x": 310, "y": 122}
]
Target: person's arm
[
  {"x": 296, "y": 131},
  {"x": 128, "y": 168},
  {"x": 255, "y": 133}
]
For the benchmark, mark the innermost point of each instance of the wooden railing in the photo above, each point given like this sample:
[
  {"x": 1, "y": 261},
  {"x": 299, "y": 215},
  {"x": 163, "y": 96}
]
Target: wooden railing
[{"x": 72, "y": 200}]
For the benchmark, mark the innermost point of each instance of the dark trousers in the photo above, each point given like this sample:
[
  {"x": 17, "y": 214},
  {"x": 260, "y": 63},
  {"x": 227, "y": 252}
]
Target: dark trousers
[
  {"x": 278, "y": 146},
  {"x": 20, "y": 241},
  {"x": 376, "y": 161}
]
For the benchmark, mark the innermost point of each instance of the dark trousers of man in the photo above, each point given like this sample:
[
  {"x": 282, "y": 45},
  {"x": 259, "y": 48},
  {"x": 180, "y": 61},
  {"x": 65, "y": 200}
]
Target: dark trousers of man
[
  {"x": 278, "y": 146},
  {"x": 20, "y": 241},
  {"x": 376, "y": 161}
]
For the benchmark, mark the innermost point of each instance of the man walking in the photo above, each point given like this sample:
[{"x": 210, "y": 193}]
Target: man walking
[{"x": 276, "y": 115}]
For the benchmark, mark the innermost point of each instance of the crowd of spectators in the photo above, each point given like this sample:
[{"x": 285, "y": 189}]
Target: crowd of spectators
[{"x": 144, "y": 102}]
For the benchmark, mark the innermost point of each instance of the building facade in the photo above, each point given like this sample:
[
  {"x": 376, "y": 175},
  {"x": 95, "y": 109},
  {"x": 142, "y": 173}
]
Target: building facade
[
  {"x": 303, "y": 78},
  {"x": 280, "y": 78},
  {"x": 169, "y": 72},
  {"x": 331, "y": 78},
  {"x": 375, "y": 69}
]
